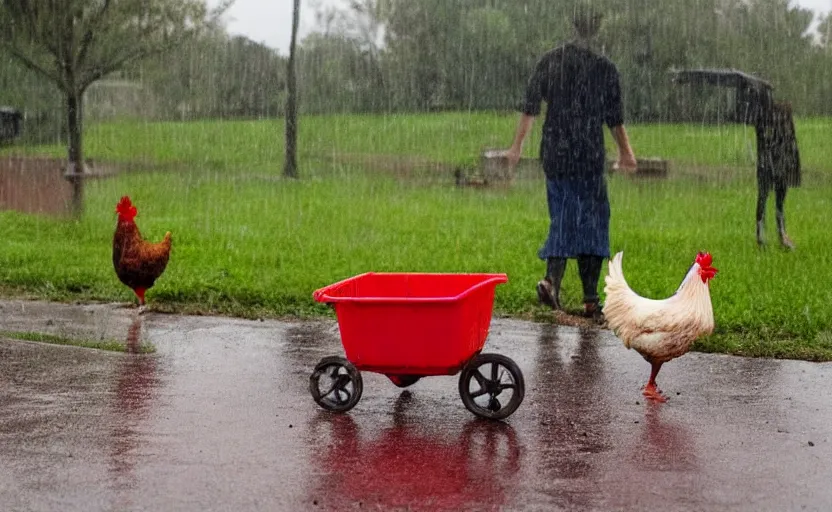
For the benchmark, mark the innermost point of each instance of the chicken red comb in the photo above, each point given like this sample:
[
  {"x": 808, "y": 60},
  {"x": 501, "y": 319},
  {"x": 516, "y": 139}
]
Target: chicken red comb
[
  {"x": 706, "y": 271},
  {"x": 704, "y": 259},
  {"x": 125, "y": 208}
]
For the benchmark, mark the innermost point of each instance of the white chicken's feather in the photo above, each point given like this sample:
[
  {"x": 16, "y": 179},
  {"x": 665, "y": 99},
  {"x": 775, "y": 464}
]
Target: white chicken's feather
[{"x": 658, "y": 329}]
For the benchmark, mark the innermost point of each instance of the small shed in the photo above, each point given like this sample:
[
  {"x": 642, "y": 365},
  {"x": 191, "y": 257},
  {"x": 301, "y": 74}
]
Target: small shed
[
  {"x": 10, "y": 123},
  {"x": 752, "y": 95}
]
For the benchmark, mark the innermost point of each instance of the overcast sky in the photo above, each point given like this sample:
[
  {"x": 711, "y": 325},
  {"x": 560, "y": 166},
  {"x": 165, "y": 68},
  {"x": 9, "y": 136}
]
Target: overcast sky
[{"x": 270, "y": 21}]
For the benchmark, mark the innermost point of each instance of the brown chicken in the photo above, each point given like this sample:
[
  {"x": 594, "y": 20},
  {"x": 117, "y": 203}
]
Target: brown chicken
[{"x": 138, "y": 263}]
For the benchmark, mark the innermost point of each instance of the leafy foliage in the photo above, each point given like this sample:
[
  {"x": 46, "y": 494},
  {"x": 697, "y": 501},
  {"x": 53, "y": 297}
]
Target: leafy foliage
[{"x": 477, "y": 54}]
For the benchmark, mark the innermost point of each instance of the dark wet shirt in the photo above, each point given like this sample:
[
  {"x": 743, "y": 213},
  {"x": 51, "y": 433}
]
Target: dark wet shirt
[{"x": 582, "y": 93}]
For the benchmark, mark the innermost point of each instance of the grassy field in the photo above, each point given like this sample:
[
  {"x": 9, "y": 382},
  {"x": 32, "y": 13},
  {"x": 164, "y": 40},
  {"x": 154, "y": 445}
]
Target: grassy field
[{"x": 249, "y": 243}]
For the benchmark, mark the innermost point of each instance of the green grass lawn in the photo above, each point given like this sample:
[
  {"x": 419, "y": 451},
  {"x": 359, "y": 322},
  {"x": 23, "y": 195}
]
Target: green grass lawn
[{"x": 249, "y": 243}]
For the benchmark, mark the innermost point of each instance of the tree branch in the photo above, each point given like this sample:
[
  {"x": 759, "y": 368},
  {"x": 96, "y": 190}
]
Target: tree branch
[
  {"x": 34, "y": 66},
  {"x": 89, "y": 36},
  {"x": 115, "y": 63},
  {"x": 103, "y": 70},
  {"x": 24, "y": 26},
  {"x": 221, "y": 9}
]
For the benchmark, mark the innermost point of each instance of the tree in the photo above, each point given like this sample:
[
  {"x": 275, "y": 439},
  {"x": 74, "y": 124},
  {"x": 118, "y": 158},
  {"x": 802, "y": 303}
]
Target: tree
[
  {"x": 418, "y": 37},
  {"x": 252, "y": 73},
  {"x": 27, "y": 90},
  {"x": 290, "y": 164},
  {"x": 341, "y": 76},
  {"x": 825, "y": 32},
  {"x": 350, "y": 44},
  {"x": 216, "y": 76},
  {"x": 74, "y": 43},
  {"x": 184, "y": 80}
]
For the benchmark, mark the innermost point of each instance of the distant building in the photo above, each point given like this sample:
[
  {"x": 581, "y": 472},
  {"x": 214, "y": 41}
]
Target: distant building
[
  {"x": 106, "y": 100},
  {"x": 10, "y": 123}
]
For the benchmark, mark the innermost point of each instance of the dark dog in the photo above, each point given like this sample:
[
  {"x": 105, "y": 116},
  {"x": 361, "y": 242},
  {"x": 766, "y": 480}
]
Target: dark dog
[{"x": 778, "y": 165}]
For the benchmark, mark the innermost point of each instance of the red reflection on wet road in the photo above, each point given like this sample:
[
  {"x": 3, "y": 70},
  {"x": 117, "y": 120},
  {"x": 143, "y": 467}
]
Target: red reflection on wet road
[
  {"x": 410, "y": 465},
  {"x": 134, "y": 388},
  {"x": 664, "y": 445}
]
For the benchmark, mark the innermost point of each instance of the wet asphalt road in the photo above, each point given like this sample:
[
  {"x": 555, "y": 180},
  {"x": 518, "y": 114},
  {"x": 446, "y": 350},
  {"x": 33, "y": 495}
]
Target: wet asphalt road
[{"x": 220, "y": 418}]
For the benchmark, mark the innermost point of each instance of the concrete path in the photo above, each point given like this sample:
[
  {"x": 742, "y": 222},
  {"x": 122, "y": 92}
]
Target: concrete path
[{"x": 220, "y": 418}]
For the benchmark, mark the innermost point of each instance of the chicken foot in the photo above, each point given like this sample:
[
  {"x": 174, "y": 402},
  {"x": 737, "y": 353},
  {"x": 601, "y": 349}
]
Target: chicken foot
[
  {"x": 140, "y": 295},
  {"x": 651, "y": 390}
]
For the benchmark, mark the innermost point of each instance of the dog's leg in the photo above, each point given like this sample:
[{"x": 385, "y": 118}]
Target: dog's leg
[
  {"x": 780, "y": 190},
  {"x": 762, "y": 197}
]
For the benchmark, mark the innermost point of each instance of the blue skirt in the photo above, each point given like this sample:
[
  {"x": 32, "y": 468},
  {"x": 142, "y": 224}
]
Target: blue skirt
[{"x": 579, "y": 210}]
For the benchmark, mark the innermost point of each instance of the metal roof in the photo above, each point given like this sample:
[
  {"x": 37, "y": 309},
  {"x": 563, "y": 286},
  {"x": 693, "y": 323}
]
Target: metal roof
[
  {"x": 726, "y": 77},
  {"x": 10, "y": 110}
]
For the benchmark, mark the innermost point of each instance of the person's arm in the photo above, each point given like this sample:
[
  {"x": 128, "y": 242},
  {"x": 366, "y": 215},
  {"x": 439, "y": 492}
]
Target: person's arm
[
  {"x": 530, "y": 110},
  {"x": 614, "y": 117},
  {"x": 524, "y": 126},
  {"x": 626, "y": 158}
]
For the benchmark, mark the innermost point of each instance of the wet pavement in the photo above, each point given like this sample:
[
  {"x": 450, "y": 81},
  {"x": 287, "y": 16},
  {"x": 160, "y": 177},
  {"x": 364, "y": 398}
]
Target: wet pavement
[{"x": 220, "y": 418}]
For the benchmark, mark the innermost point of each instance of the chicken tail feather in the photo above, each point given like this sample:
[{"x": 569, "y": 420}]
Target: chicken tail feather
[
  {"x": 615, "y": 281},
  {"x": 617, "y": 291}
]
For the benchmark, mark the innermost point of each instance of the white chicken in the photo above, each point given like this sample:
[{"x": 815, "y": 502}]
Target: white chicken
[{"x": 660, "y": 330}]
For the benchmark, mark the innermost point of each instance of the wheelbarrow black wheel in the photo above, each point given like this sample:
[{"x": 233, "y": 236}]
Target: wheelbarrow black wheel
[
  {"x": 492, "y": 386},
  {"x": 336, "y": 384}
]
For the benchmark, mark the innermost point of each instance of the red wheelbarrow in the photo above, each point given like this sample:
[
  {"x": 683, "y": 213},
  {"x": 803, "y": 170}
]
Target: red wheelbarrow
[{"x": 412, "y": 325}]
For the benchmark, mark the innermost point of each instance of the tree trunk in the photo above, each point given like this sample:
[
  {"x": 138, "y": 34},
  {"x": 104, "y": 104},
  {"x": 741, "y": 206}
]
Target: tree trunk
[
  {"x": 290, "y": 165},
  {"x": 75, "y": 160}
]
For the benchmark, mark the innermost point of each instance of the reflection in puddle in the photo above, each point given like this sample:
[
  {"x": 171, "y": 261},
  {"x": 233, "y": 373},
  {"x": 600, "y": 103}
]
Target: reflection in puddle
[
  {"x": 573, "y": 414},
  {"x": 663, "y": 445},
  {"x": 320, "y": 337},
  {"x": 134, "y": 387},
  {"x": 413, "y": 465},
  {"x": 571, "y": 393}
]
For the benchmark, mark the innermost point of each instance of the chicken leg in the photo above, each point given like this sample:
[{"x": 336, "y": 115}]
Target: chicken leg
[
  {"x": 140, "y": 294},
  {"x": 651, "y": 390}
]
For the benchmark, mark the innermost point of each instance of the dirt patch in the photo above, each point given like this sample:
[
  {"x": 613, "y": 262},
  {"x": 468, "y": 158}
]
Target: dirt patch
[
  {"x": 423, "y": 170},
  {"x": 709, "y": 173},
  {"x": 490, "y": 170},
  {"x": 402, "y": 167},
  {"x": 34, "y": 185},
  {"x": 37, "y": 184}
]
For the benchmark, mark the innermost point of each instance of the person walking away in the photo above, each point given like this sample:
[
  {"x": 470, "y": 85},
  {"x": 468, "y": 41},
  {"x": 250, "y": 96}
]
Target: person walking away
[{"x": 582, "y": 91}]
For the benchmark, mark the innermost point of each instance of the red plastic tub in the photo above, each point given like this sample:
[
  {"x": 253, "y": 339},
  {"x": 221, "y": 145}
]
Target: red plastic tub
[{"x": 412, "y": 323}]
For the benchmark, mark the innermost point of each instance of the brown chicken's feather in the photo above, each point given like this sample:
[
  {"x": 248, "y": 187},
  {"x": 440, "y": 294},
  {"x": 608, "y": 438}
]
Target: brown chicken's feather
[{"x": 138, "y": 263}]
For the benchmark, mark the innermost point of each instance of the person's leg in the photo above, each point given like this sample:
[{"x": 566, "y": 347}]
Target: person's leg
[
  {"x": 589, "y": 268},
  {"x": 548, "y": 289}
]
